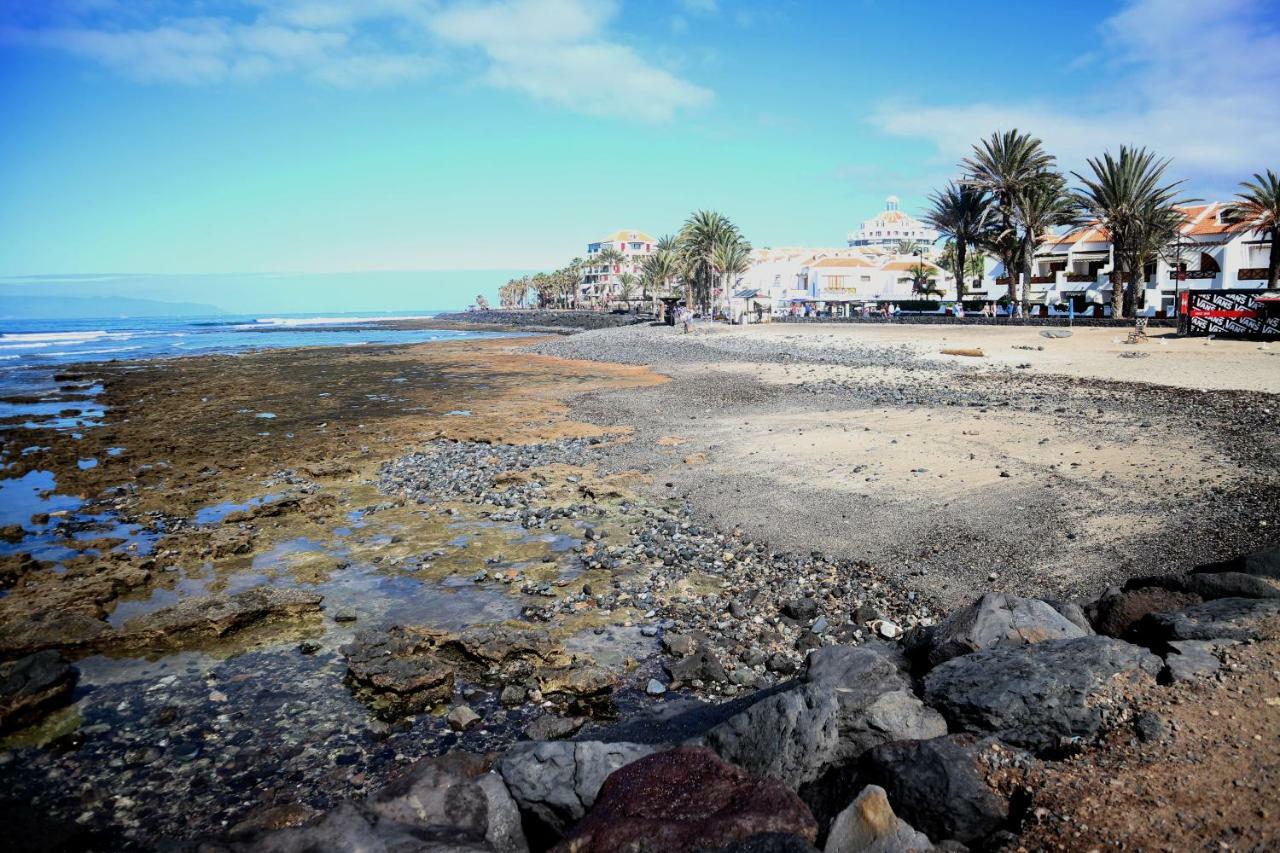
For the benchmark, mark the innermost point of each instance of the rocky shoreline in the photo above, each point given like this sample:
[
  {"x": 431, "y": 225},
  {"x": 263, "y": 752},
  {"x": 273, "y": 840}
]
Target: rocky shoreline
[
  {"x": 940, "y": 741},
  {"x": 440, "y": 611}
]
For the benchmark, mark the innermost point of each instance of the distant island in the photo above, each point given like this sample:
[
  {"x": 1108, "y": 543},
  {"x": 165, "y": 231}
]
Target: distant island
[{"x": 26, "y": 307}]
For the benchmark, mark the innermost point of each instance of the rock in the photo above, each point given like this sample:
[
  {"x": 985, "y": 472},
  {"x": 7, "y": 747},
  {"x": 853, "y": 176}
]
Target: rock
[
  {"x": 1043, "y": 697},
  {"x": 1263, "y": 564},
  {"x": 655, "y": 687},
  {"x": 768, "y": 842},
  {"x": 800, "y": 609},
  {"x": 678, "y": 644},
  {"x": 993, "y": 621},
  {"x": 686, "y": 799},
  {"x": 1188, "y": 660},
  {"x": 398, "y": 673},
  {"x": 1148, "y": 727},
  {"x": 513, "y": 694},
  {"x": 886, "y": 629},
  {"x": 449, "y": 804},
  {"x": 33, "y": 630},
  {"x": 457, "y": 792},
  {"x": 462, "y": 718},
  {"x": 1213, "y": 586},
  {"x": 551, "y": 727},
  {"x": 1072, "y": 612},
  {"x": 939, "y": 786},
  {"x": 32, "y": 686},
  {"x": 282, "y": 816},
  {"x": 869, "y": 825},
  {"x": 849, "y": 700},
  {"x": 218, "y": 616},
  {"x": 1115, "y": 614},
  {"x": 556, "y": 782},
  {"x": 1222, "y": 619},
  {"x": 12, "y": 533},
  {"x": 701, "y": 665},
  {"x": 582, "y": 680}
]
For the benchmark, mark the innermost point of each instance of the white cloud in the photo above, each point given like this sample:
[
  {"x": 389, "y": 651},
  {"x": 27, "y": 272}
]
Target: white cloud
[
  {"x": 1194, "y": 81},
  {"x": 556, "y": 51}
]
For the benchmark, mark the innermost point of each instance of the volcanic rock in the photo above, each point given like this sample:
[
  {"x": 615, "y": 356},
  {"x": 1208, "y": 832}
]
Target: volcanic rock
[
  {"x": 993, "y": 621},
  {"x": 556, "y": 782},
  {"x": 218, "y": 616},
  {"x": 32, "y": 686},
  {"x": 1117, "y": 612},
  {"x": 1222, "y": 619},
  {"x": 1043, "y": 697},
  {"x": 686, "y": 799},
  {"x": 869, "y": 825}
]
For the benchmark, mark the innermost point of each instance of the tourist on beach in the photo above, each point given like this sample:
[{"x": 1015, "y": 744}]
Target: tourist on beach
[{"x": 960, "y": 310}]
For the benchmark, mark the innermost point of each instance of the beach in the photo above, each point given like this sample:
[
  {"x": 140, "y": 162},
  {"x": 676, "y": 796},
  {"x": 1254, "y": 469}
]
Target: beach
[{"x": 579, "y": 528}]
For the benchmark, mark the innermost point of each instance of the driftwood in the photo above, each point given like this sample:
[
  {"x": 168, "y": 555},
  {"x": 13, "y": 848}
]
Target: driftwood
[{"x": 976, "y": 352}]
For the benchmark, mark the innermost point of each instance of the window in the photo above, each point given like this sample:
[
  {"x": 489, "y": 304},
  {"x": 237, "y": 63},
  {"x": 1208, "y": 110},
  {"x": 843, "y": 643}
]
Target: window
[{"x": 637, "y": 246}]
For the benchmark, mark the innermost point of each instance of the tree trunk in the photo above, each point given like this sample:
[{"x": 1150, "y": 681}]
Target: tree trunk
[
  {"x": 1118, "y": 279},
  {"x": 1273, "y": 260},
  {"x": 960, "y": 259}
]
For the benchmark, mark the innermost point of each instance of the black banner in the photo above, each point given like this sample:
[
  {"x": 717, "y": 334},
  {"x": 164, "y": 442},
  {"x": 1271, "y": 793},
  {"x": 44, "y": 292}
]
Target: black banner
[{"x": 1230, "y": 314}]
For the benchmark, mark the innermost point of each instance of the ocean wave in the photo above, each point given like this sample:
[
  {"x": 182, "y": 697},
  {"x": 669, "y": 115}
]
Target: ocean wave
[
  {"x": 79, "y": 352},
  {"x": 30, "y": 340}
]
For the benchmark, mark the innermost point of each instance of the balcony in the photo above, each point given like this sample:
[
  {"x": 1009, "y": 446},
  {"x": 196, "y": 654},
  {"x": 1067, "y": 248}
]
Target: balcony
[
  {"x": 1080, "y": 278},
  {"x": 1196, "y": 275},
  {"x": 1252, "y": 274}
]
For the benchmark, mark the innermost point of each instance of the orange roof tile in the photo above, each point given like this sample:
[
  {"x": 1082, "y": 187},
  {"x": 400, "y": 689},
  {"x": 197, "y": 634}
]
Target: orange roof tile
[{"x": 842, "y": 262}]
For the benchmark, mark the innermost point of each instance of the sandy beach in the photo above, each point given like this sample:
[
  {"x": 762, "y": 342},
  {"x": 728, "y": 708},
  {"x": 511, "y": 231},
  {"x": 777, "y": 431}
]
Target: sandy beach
[{"x": 572, "y": 532}]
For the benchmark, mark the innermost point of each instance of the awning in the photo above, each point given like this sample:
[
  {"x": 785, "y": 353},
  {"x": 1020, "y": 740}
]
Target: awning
[{"x": 746, "y": 294}]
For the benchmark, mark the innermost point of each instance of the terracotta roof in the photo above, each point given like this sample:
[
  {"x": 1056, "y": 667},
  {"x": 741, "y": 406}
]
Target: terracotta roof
[
  {"x": 909, "y": 265},
  {"x": 842, "y": 262}
]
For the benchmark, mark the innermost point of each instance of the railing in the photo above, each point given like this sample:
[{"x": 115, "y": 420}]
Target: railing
[
  {"x": 1081, "y": 277},
  {"x": 1194, "y": 274},
  {"x": 1003, "y": 281},
  {"x": 1252, "y": 274},
  {"x": 1043, "y": 279}
]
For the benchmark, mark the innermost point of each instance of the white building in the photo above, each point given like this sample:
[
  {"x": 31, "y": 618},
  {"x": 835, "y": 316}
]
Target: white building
[
  {"x": 837, "y": 277},
  {"x": 603, "y": 281},
  {"x": 1210, "y": 253},
  {"x": 891, "y": 228}
]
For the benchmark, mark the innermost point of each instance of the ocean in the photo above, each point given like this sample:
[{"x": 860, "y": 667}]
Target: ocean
[{"x": 31, "y": 351}]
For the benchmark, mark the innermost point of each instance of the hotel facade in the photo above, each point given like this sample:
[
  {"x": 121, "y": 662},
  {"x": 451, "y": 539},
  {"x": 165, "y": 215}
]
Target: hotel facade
[
  {"x": 602, "y": 282},
  {"x": 1210, "y": 253}
]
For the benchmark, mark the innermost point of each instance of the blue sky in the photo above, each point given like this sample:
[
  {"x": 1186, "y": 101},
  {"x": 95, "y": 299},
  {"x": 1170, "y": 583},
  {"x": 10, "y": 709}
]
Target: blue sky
[{"x": 248, "y": 136}]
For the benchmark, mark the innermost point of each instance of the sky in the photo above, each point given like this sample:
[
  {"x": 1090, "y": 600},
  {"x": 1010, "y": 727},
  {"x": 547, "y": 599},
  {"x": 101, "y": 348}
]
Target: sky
[{"x": 154, "y": 138}]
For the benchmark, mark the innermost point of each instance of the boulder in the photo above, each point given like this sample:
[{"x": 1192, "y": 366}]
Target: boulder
[
  {"x": 686, "y": 799},
  {"x": 455, "y": 791},
  {"x": 556, "y": 782},
  {"x": 32, "y": 686},
  {"x": 449, "y": 804},
  {"x": 1263, "y": 564},
  {"x": 552, "y": 727},
  {"x": 869, "y": 825},
  {"x": 1212, "y": 586},
  {"x": 1043, "y": 697},
  {"x": 993, "y": 621},
  {"x": 218, "y": 616},
  {"x": 1188, "y": 660},
  {"x": 939, "y": 786},
  {"x": 1116, "y": 613},
  {"x": 1221, "y": 619},
  {"x": 849, "y": 699}
]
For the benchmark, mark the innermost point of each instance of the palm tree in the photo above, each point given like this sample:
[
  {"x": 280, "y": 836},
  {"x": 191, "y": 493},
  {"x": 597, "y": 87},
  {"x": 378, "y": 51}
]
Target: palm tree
[
  {"x": 1005, "y": 165},
  {"x": 908, "y": 247},
  {"x": 1257, "y": 208},
  {"x": 661, "y": 268},
  {"x": 1126, "y": 197},
  {"x": 609, "y": 257},
  {"x": 731, "y": 258},
  {"x": 701, "y": 233},
  {"x": 1042, "y": 205},
  {"x": 626, "y": 288},
  {"x": 962, "y": 214}
]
